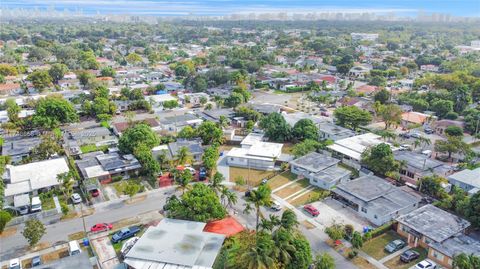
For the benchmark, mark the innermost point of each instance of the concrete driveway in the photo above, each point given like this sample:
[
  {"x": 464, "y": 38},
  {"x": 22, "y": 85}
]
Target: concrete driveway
[
  {"x": 107, "y": 257},
  {"x": 333, "y": 211}
]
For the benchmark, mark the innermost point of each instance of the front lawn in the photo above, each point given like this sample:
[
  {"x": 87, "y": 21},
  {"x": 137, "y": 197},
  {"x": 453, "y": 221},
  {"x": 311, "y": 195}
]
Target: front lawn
[
  {"x": 281, "y": 179},
  {"x": 92, "y": 148},
  {"x": 311, "y": 196},
  {"x": 293, "y": 188},
  {"x": 396, "y": 263},
  {"x": 252, "y": 177},
  {"x": 120, "y": 186},
  {"x": 375, "y": 247}
]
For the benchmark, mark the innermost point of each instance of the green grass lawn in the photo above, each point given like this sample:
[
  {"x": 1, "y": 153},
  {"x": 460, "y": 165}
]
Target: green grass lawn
[
  {"x": 120, "y": 186},
  {"x": 281, "y": 179},
  {"x": 396, "y": 263},
  {"x": 313, "y": 195},
  {"x": 92, "y": 147},
  {"x": 375, "y": 247},
  {"x": 252, "y": 177}
]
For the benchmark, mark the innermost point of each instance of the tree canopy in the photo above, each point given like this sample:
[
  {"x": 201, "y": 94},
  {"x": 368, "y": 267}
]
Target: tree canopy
[
  {"x": 352, "y": 116},
  {"x": 52, "y": 111},
  {"x": 380, "y": 159},
  {"x": 140, "y": 134},
  {"x": 275, "y": 127}
]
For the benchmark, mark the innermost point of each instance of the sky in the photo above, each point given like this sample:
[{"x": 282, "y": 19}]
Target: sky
[{"x": 470, "y": 8}]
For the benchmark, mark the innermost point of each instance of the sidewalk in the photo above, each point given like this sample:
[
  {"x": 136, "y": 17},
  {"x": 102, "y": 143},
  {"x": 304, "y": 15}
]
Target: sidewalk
[{"x": 371, "y": 260}]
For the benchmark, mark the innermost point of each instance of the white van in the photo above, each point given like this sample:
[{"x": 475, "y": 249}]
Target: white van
[
  {"x": 15, "y": 264},
  {"x": 36, "y": 204},
  {"x": 73, "y": 248}
]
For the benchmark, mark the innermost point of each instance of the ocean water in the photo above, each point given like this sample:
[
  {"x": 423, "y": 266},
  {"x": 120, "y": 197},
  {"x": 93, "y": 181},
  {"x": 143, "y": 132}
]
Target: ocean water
[{"x": 469, "y": 8}]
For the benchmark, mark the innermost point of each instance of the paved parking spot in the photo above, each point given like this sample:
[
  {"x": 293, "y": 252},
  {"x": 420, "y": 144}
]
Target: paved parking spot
[
  {"x": 106, "y": 253},
  {"x": 333, "y": 211}
]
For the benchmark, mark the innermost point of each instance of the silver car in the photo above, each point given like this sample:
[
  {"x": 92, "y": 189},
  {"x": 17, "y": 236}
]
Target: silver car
[{"x": 76, "y": 198}]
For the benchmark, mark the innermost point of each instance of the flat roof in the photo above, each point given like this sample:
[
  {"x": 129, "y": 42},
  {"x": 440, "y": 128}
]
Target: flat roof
[
  {"x": 366, "y": 188},
  {"x": 175, "y": 242},
  {"x": 417, "y": 160},
  {"x": 331, "y": 128},
  {"x": 354, "y": 146},
  {"x": 434, "y": 222},
  {"x": 265, "y": 149},
  {"x": 19, "y": 145},
  {"x": 458, "y": 244},
  {"x": 95, "y": 171},
  {"x": 38, "y": 175},
  {"x": 331, "y": 174},
  {"x": 314, "y": 162},
  {"x": 470, "y": 177},
  {"x": 252, "y": 138}
]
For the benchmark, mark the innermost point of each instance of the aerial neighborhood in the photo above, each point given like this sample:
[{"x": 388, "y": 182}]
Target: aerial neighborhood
[{"x": 239, "y": 144}]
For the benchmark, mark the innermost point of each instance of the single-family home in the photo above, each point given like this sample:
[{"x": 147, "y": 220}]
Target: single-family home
[
  {"x": 414, "y": 117},
  {"x": 416, "y": 166},
  {"x": 10, "y": 89},
  {"x": 215, "y": 114},
  {"x": 468, "y": 180},
  {"x": 19, "y": 147},
  {"x": 103, "y": 166},
  {"x": 438, "y": 231},
  {"x": 97, "y": 135},
  {"x": 178, "y": 122},
  {"x": 171, "y": 150},
  {"x": 32, "y": 178},
  {"x": 376, "y": 199},
  {"x": 158, "y": 100},
  {"x": 328, "y": 130},
  {"x": 321, "y": 170},
  {"x": 120, "y": 127},
  {"x": 255, "y": 154}
]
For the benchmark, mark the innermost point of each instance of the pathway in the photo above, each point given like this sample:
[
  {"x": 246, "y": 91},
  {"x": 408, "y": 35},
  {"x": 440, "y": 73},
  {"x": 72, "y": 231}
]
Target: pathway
[{"x": 393, "y": 255}]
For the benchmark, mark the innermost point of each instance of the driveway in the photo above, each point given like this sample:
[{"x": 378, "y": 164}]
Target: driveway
[
  {"x": 107, "y": 257},
  {"x": 333, "y": 211},
  {"x": 223, "y": 167}
]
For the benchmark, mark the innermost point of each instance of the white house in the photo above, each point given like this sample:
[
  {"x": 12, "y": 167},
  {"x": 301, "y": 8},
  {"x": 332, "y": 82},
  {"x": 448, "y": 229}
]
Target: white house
[
  {"x": 32, "y": 177},
  {"x": 468, "y": 180},
  {"x": 255, "y": 154}
]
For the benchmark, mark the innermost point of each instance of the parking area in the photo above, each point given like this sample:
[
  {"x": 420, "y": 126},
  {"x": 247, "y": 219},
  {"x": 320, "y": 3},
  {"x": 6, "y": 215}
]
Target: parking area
[{"x": 333, "y": 211}]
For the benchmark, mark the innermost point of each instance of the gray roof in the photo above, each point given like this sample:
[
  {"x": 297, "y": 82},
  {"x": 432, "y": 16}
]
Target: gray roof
[
  {"x": 469, "y": 177},
  {"x": 19, "y": 145},
  {"x": 265, "y": 108},
  {"x": 178, "y": 120},
  {"x": 434, "y": 222},
  {"x": 418, "y": 161},
  {"x": 79, "y": 261},
  {"x": 314, "y": 162},
  {"x": 112, "y": 162},
  {"x": 458, "y": 244},
  {"x": 366, "y": 188},
  {"x": 194, "y": 147},
  {"x": 90, "y": 132},
  {"x": 175, "y": 242},
  {"x": 214, "y": 114},
  {"x": 331, "y": 174},
  {"x": 333, "y": 129}
]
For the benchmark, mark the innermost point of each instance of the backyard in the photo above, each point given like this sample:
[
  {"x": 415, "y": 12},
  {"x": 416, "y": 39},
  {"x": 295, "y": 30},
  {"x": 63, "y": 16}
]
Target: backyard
[
  {"x": 375, "y": 246},
  {"x": 92, "y": 147}
]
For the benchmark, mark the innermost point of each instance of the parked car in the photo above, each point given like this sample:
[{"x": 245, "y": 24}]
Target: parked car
[
  {"x": 101, "y": 227},
  {"x": 202, "y": 173},
  {"x": 95, "y": 192},
  {"x": 125, "y": 233},
  {"x": 311, "y": 210},
  {"x": 405, "y": 135},
  {"x": 394, "y": 246},
  {"x": 264, "y": 181},
  {"x": 128, "y": 245},
  {"x": 14, "y": 264},
  {"x": 276, "y": 206},
  {"x": 23, "y": 210},
  {"x": 73, "y": 248},
  {"x": 36, "y": 261},
  {"x": 428, "y": 130},
  {"x": 76, "y": 198},
  {"x": 36, "y": 205},
  {"x": 426, "y": 264},
  {"x": 409, "y": 255},
  {"x": 415, "y": 135}
]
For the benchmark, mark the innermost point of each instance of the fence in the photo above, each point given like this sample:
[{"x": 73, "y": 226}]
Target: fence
[{"x": 52, "y": 213}]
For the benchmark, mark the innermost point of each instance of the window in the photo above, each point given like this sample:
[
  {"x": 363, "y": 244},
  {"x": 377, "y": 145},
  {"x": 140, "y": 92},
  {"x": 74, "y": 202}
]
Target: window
[
  {"x": 410, "y": 175},
  {"x": 427, "y": 240},
  {"x": 405, "y": 229},
  {"x": 231, "y": 159},
  {"x": 375, "y": 216},
  {"x": 403, "y": 172},
  {"x": 438, "y": 255},
  {"x": 364, "y": 210}
]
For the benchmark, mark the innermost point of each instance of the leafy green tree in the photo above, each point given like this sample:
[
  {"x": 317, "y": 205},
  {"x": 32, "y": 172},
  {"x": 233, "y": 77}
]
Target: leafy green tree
[
  {"x": 8, "y": 70},
  {"x": 235, "y": 99},
  {"x": 170, "y": 104},
  {"x": 472, "y": 121},
  {"x": 380, "y": 159},
  {"x": 133, "y": 58},
  {"x": 5, "y": 217},
  {"x": 259, "y": 197},
  {"x": 181, "y": 70},
  {"x": 210, "y": 157},
  {"x": 305, "y": 147},
  {"x": 84, "y": 77},
  {"x": 150, "y": 167},
  {"x": 324, "y": 261},
  {"x": 38, "y": 54},
  {"x": 131, "y": 188},
  {"x": 199, "y": 84},
  {"x": 275, "y": 127},
  {"x": 137, "y": 135},
  {"x": 12, "y": 110},
  {"x": 67, "y": 182},
  {"x": 183, "y": 180},
  {"x": 40, "y": 79},
  {"x": 289, "y": 220},
  {"x": 391, "y": 115},
  {"x": 33, "y": 231},
  {"x": 210, "y": 133},
  {"x": 335, "y": 231},
  {"x": 108, "y": 72},
  {"x": 57, "y": 71},
  {"x": 305, "y": 129},
  {"x": 357, "y": 240},
  {"x": 187, "y": 132},
  {"x": 453, "y": 144},
  {"x": 198, "y": 204},
  {"x": 432, "y": 185},
  {"x": 183, "y": 156},
  {"x": 52, "y": 111},
  {"x": 382, "y": 96},
  {"x": 352, "y": 116},
  {"x": 472, "y": 209},
  {"x": 441, "y": 107},
  {"x": 453, "y": 130}
]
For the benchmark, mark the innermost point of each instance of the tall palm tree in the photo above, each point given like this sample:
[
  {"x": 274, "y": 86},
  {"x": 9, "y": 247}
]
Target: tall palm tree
[
  {"x": 260, "y": 197},
  {"x": 183, "y": 155},
  {"x": 259, "y": 256},
  {"x": 162, "y": 159},
  {"x": 288, "y": 220},
  {"x": 464, "y": 261},
  {"x": 270, "y": 224},
  {"x": 283, "y": 246},
  {"x": 216, "y": 183},
  {"x": 228, "y": 197}
]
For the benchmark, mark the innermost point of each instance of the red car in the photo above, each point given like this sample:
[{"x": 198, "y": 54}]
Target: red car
[
  {"x": 311, "y": 210},
  {"x": 95, "y": 192},
  {"x": 101, "y": 227}
]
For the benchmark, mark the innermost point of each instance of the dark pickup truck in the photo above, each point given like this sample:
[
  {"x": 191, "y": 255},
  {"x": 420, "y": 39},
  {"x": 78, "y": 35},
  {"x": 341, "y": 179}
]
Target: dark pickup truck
[{"x": 125, "y": 233}]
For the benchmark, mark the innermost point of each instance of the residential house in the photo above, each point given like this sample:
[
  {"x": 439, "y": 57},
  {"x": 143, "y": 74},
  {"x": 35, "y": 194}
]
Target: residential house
[
  {"x": 440, "y": 125},
  {"x": 68, "y": 84},
  {"x": 215, "y": 114},
  {"x": 10, "y": 89},
  {"x": 158, "y": 100},
  {"x": 103, "y": 166},
  {"x": 366, "y": 89},
  {"x": 416, "y": 166},
  {"x": 33, "y": 178},
  {"x": 19, "y": 147},
  {"x": 120, "y": 127},
  {"x": 99, "y": 136},
  {"x": 350, "y": 149},
  {"x": 429, "y": 68},
  {"x": 255, "y": 154},
  {"x": 292, "y": 118},
  {"x": 359, "y": 71},
  {"x": 165, "y": 245},
  {"x": 468, "y": 180},
  {"x": 413, "y": 117},
  {"x": 171, "y": 150},
  {"x": 376, "y": 199},
  {"x": 178, "y": 122},
  {"x": 328, "y": 130},
  {"x": 193, "y": 98},
  {"x": 266, "y": 109},
  {"x": 436, "y": 230},
  {"x": 321, "y": 170}
]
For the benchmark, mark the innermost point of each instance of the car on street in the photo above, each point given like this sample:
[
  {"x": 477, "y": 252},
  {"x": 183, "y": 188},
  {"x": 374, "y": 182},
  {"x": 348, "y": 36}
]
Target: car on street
[
  {"x": 276, "y": 206},
  {"x": 311, "y": 210},
  {"x": 95, "y": 193},
  {"x": 415, "y": 135},
  {"x": 101, "y": 227},
  {"x": 76, "y": 198},
  {"x": 394, "y": 246},
  {"x": 428, "y": 130},
  {"x": 36, "y": 261},
  {"x": 125, "y": 233},
  {"x": 405, "y": 135},
  {"x": 426, "y": 264},
  {"x": 14, "y": 264},
  {"x": 409, "y": 255}
]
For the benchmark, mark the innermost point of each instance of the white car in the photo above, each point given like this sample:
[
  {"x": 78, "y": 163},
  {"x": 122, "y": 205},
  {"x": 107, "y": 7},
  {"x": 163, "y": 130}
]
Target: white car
[
  {"x": 426, "y": 264},
  {"x": 76, "y": 198},
  {"x": 15, "y": 264},
  {"x": 276, "y": 206}
]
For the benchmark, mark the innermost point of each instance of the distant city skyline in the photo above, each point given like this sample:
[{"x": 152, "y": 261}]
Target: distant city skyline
[{"x": 409, "y": 8}]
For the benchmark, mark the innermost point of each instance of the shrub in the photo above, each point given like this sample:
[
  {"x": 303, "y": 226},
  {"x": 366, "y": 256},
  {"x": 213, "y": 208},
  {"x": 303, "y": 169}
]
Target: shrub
[
  {"x": 5, "y": 217},
  {"x": 349, "y": 230},
  {"x": 381, "y": 229},
  {"x": 65, "y": 208},
  {"x": 352, "y": 254}
]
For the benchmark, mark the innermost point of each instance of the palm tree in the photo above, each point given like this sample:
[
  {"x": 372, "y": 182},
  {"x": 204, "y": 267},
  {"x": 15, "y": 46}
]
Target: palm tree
[
  {"x": 289, "y": 219},
  {"x": 216, "y": 183},
  {"x": 283, "y": 246},
  {"x": 270, "y": 224},
  {"x": 162, "y": 159},
  {"x": 464, "y": 261},
  {"x": 183, "y": 155},
  {"x": 229, "y": 198},
  {"x": 183, "y": 181},
  {"x": 260, "y": 197},
  {"x": 324, "y": 261},
  {"x": 259, "y": 256}
]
